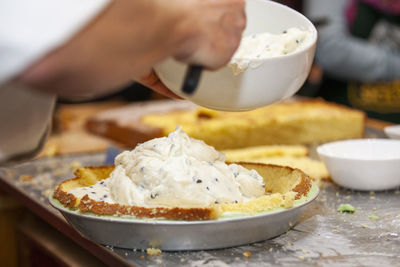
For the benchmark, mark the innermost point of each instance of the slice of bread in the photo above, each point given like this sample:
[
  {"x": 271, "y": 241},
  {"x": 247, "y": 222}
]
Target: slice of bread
[
  {"x": 294, "y": 156},
  {"x": 256, "y": 152},
  {"x": 293, "y": 122},
  {"x": 283, "y": 186}
]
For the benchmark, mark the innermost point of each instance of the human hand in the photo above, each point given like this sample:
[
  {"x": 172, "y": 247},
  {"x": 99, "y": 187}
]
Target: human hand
[
  {"x": 131, "y": 36},
  {"x": 215, "y": 30}
]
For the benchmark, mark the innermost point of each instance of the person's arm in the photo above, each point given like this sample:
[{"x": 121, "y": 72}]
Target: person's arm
[
  {"x": 131, "y": 36},
  {"x": 44, "y": 44},
  {"x": 346, "y": 57},
  {"x": 30, "y": 29}
]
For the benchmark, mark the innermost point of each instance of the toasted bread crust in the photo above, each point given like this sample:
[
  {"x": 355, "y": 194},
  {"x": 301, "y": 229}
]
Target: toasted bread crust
[
  {"x": 103, "y": 208},
  {"x": 68, "y": 200},
  {"x": 302, "y": 188},
  {"x": 86, "y": 204}
]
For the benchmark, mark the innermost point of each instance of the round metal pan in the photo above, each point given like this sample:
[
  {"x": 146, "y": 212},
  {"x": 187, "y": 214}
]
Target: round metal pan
[{"x": 172, "y": 235}]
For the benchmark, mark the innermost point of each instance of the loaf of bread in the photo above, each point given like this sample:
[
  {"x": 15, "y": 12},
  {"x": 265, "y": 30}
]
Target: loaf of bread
[
  {"x": 283, "y": 186},
  {"x": 291, "y": 122},
  {"x": 295, "y": 122}
]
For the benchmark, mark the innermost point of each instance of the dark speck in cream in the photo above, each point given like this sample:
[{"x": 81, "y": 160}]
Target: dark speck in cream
[
  {"x": 208, "y": 188},
  {"x": 198, "y": 181},
  {"x": 153, "y": 195},
  {"x": 94, "y": 193},
  {"x": 216, "y": 179},
  {"x": 105, "y": 196}
]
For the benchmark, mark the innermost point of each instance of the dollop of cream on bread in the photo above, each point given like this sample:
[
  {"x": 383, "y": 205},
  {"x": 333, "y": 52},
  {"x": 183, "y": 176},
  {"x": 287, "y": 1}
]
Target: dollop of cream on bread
[{"x": 175, "y": 171}]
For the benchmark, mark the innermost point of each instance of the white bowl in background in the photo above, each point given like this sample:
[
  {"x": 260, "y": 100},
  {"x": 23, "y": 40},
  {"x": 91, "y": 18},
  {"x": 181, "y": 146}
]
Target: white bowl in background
[
  {"x": 393, "y": 131},
  {"x": 363, "y": 164},
  {"x": 275, "y": 79}
]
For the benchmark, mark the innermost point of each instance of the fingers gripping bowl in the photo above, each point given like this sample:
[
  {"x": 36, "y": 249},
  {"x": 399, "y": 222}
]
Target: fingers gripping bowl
[
  {"x": 271, "y": 80},
  {"x": 85, "y": 201}
]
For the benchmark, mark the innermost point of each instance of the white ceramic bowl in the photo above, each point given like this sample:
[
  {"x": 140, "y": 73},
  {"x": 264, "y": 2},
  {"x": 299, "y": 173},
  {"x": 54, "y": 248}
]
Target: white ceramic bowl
[
  {"x": 363, "y": 164},
  {"x": 393, "y": 131},
  {"x": 275, "y": 79}
]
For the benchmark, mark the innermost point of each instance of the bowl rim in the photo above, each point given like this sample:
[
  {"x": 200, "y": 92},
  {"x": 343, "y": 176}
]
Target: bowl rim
[
  {"x": 321, "y": 150},
  {"x": 311, "y": 28}
]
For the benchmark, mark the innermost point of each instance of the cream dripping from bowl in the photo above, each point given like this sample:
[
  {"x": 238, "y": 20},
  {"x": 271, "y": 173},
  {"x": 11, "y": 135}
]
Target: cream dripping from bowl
[{"x": 175, "y": 171}]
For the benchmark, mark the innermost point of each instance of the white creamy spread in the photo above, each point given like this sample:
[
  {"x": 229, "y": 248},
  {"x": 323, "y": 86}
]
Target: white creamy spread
[
  {"x": 175, "y": 171},
  {"x": 257, "y": 47}
]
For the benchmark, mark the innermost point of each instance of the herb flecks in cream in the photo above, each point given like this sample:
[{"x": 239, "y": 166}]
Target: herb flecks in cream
[{"x": 257, "y": 47}]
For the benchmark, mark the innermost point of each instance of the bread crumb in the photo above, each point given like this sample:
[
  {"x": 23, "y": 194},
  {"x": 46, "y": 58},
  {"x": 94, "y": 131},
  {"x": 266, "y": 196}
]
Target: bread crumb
[
  {"x": 50, "y": 150},
  {"x": 142, "y": 257},
  {"x": 301, "y": 257},
  {"x": 182, "y": 259},
  {"x": 153, "y": 251},
  {"x": 348, "y": 197},
  {"x": 372, "y": 197},
  {"x": 247, "y": 254},
  {"x": 363, "y": 226},
  {"x": 75, "y": 165},
  {"x": 25, "y": 178},
  {"x": 271, "y": 249},
  {"x": 159, "y": 261},
  {"x": 373, "y": 217},
  {"x": 374, "y": 209}
]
